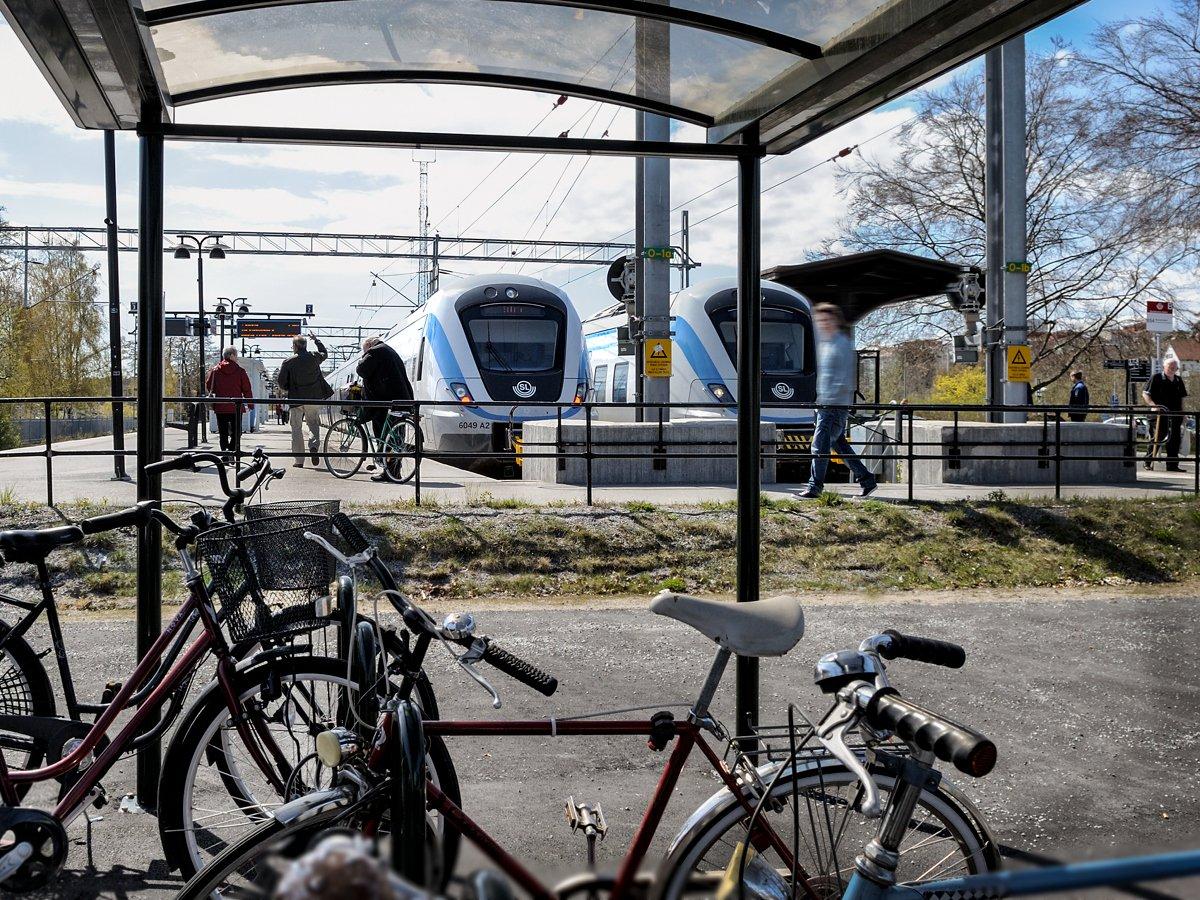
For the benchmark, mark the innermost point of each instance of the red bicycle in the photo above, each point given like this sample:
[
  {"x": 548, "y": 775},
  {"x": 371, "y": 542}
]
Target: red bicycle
[{"x": 805, "y": 803}]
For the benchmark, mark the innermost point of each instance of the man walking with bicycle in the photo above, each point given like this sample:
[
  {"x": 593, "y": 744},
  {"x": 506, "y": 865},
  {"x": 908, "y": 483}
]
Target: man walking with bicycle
[
  {"x": 300, "y": 377},
  {"x": 383, "y": 378}
]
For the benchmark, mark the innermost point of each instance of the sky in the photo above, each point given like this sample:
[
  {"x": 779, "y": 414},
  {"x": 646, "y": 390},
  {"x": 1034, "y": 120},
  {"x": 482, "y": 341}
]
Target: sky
[{"x": 51, "y": 173}]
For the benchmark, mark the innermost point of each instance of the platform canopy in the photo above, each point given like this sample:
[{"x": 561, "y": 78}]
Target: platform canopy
[
  {"x": 862, "y": 282},
  {"x": 793, "y": 68}
]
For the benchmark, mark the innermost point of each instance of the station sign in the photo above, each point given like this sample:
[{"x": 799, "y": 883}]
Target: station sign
[
  {"x": 1018, "y": 267},
  {"x": 1020, "y": 362},
  {"x": 657, "y": 363},
  {"x": 267, "y": 328},
  {"x": 1160, "y": 316},
  {"x": 658, "y": 253}
]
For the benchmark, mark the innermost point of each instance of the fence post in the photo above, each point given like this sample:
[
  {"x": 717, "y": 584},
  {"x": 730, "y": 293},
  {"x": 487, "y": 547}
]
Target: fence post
[
  {"x": 420, "y": 436},
  {"x": 1057, "y": 455},
  {"x": 49, "y": 454},
  {"x": 587, "y": 450},
  {"x": 1196, "y": 454},
  {"x": 911, "y": 473},
  {"x": 560, "y": 460}
]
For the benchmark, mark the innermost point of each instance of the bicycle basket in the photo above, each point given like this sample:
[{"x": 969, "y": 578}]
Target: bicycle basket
[
  {"x": 292, "y": 507},
  {"x": 266, "y": 577}
]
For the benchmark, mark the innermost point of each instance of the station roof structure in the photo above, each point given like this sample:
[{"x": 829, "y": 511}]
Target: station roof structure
[
  {"x": 862, "y": 282},
  {"x": 792, "y": 69}
]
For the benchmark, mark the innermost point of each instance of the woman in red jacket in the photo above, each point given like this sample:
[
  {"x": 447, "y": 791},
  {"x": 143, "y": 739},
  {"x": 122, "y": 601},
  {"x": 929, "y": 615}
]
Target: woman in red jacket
[{"x": 228, "y": 379}]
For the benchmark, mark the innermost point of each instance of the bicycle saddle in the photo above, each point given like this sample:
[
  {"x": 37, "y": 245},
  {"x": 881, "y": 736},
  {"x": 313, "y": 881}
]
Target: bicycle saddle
[
  {"x": 769, "y": 627},
  {"x": 33, "y": 545}
]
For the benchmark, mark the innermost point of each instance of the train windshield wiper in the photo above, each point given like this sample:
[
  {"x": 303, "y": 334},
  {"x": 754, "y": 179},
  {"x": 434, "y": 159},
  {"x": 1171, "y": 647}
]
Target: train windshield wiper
[{"x": 495, "y": 354}]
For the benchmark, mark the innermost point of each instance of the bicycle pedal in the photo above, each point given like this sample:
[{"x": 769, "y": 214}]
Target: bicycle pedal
[{"x": 586, "y": 817}]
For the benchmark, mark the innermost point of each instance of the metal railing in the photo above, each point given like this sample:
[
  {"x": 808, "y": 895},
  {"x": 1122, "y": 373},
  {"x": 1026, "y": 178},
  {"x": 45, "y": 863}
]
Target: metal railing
[{"x": 894, "y": 424}]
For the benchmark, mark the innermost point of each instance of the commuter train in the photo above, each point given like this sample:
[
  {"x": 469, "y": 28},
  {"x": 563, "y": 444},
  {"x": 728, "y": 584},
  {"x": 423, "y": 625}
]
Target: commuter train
[
  {"x": 505, "y": 339},
  {"x": 704, "y": 361}
]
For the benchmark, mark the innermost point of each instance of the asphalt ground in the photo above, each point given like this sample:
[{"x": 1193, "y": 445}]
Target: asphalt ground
[
  {"x": 90, "y": 477},
  {"x": 1093, "y": 703}
]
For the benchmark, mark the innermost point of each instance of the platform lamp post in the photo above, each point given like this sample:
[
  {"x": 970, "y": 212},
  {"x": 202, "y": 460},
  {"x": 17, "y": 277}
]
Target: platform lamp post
[
  {"x": 227, "y": 308},
  {"x": 216, "y": 250}
]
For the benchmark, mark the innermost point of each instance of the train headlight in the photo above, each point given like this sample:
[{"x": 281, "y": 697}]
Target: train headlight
[
  {"x": 510, "y": 293},
  {"x": 461, "y": 392},
  {"x": 581, "y": 390},
  {"x": 720, "y": 392}
]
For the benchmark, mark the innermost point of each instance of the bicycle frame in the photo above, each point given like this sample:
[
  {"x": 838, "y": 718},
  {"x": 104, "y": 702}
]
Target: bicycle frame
[{"x": 688, "y": 736}]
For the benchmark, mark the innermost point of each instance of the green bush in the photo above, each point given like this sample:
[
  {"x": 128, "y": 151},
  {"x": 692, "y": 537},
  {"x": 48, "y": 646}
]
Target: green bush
[{"x": 10, "y": 436}]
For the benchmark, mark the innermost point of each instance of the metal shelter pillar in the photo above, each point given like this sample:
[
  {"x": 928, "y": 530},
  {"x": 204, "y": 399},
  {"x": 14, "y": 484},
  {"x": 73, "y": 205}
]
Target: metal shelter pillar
[
  {"x": 749, "y": 383},
  {"x": 1005, "y": 188},
  {"x": 116, "y": 377},
  {"x": 149, "y": 424}
]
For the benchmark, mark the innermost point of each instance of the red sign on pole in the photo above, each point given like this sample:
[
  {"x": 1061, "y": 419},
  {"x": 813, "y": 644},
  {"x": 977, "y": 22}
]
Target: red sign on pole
[{"x": 1160, "y": 315}]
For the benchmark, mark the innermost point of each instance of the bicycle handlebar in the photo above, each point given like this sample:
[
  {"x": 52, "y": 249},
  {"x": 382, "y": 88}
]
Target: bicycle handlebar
[{"x": 926, "y": 650}]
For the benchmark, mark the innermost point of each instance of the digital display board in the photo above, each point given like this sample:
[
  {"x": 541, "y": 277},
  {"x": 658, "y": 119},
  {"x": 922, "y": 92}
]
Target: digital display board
[{"x": 268, "y": 328}]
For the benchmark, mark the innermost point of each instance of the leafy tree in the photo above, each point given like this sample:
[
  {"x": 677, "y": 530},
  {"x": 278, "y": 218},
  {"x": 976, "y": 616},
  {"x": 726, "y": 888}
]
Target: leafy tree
[
  {"x": 1094, "y": 252},
  {"x": 961, "y": 385}
]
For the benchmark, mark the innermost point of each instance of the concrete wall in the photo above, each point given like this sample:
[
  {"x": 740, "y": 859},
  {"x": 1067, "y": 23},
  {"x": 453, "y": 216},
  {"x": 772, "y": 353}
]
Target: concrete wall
[
  {"x": 610, "y": 438},
  {"x": 1018, "y": 446}
]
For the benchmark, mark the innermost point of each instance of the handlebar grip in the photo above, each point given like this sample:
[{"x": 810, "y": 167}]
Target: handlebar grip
[
  {"x": 926, "y": 650},
  {"x": 183, "y": 461},
  {"x": 517, "y": 668},
  {"x": 350, "y": 533},
  {"x": 969, "y": 751},
  {"x": 248, "y": 472},
  {"x": 135, "y": 515}
]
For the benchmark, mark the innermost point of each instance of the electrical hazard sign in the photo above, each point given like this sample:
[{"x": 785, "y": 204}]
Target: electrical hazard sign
[
  {"x": 658, "y": 358},
  {"x": 1020, "y": 361}
]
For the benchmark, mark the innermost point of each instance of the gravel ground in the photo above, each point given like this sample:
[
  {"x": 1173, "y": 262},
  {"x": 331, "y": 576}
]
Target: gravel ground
[{"x": 1093, "y": 704}]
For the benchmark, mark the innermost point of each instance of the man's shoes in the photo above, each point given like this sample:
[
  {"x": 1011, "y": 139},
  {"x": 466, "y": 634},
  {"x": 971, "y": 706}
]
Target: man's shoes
[
  {"x": 1148, "y": 466},
  {"x": 299, "y": 465},
  {"x": 380, "y": 477},
  {"x": 1174, "y": 468},
  {"x": 811, "y": 493},
  {"x": 312, "y": 452},
  {"x": 868, "y": 485},
  {"x": 371, "y": 467}
]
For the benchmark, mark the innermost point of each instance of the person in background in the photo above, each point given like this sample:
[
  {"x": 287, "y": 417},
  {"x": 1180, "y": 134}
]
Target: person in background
[
  {"x": 383, "y": 378},
  {"x": 301, "y": 379},
  {"x": 1079, "y": 397},
  {"x": 837, "y": 366},
  {"x": 1165, "y": 394},
  {"x": 228, "y": 379}
]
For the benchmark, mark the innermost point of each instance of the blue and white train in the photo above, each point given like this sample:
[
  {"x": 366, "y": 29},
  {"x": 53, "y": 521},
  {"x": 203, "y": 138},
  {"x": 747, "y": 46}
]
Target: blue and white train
[
  {"x": 704, "y": 360},
  {"x": 508, "y": 339}
]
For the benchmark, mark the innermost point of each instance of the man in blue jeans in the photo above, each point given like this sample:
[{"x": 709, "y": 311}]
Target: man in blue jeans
[{"x": 837, "y": 370}]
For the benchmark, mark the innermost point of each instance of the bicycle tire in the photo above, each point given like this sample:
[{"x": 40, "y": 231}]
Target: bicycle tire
[
  {"x": 833, "y": 786},
  {"x": 342, "y": 437},
  {"x": 200, "y": 742},
  {"x": 396, "y": 439},
  {"x": 24, "y": 684}
]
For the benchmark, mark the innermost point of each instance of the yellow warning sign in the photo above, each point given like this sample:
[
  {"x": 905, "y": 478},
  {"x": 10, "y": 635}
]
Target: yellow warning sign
[
  {"x": 1020, "y": 359},
  {"x": 658, "y": 358}
]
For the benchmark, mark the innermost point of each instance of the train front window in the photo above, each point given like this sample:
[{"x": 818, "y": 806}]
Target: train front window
[
  {"x": 784, "y": 337},
  {"x": 513, "y": 337}
]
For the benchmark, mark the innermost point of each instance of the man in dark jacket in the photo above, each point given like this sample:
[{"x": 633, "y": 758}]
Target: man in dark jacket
[
  {"x": 383, "y": 378},
  {"x": 1079, "y": 397},
  {"x": 300, "y": 377},
  {"x": 1165, "y": 394},
  {"x": 228, "y": 379}
]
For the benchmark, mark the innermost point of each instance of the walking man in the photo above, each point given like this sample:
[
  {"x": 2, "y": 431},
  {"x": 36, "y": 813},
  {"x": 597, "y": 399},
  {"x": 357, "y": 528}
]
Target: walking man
[
  {"x": 1079, "y": 397},
  {"x": 1165, "y": 394},
  {"x": 300, "y": 378},
  {"x": 228, "y": 379},
  {"x": 383, "y": 378},
  {"x": 837, "y": 366}
]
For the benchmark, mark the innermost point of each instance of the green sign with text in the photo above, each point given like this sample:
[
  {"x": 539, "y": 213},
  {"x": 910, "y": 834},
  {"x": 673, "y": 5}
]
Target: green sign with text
[{"x": 658, "y": 253}]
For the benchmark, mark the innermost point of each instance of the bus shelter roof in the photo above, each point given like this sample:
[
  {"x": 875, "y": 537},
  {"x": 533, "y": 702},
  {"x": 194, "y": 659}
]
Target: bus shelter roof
[{"x": 773, "y": 73}]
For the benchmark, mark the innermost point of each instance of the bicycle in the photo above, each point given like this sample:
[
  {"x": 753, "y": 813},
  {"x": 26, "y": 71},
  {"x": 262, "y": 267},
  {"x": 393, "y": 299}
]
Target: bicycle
[
  {"x": 820, "y": 779},
  {"x": 265, "y": 682},
  {"x": 349, "y": 444}
]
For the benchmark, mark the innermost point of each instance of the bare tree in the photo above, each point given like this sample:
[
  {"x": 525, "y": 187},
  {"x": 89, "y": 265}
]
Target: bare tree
[{"x": 1092, "y": 252}]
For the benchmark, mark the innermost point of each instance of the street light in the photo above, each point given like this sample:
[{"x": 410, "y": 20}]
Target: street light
[
  {"x": 188, "y": 242},
  {"x": 225, "y": 309}
]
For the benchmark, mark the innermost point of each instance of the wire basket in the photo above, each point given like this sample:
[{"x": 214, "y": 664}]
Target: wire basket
[
  {"x": 266, "y": 577},
  {"x": 293, "y": 507}
]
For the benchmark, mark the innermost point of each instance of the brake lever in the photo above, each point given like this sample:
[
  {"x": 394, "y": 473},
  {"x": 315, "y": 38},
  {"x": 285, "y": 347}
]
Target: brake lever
[
  {"x": 474, "y": 655},
  {"x": 832, "y": 735}
]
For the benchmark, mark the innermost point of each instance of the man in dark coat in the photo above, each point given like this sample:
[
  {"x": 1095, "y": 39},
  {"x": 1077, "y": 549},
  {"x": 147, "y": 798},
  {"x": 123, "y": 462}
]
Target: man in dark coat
[
  {"x": 383, "y": 378},
  {"x": 1079, "y": 397},
  {"x": 1165, "y": 394},
  {"x": 300, "y": 377}
]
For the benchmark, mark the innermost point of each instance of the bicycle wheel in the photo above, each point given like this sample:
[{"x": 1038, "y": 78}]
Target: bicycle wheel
[
  {"x": 212, "y": 791},
  {"x": 945, "y": 838},
  {"x": 24, "y": 691},
  {"x": 345, "y": 436},
  {"x": 402, "y": 436}
]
